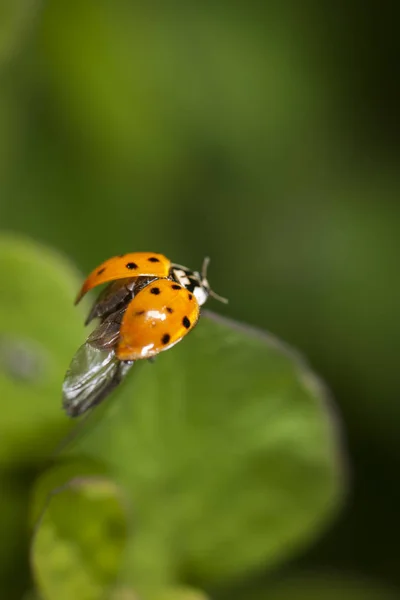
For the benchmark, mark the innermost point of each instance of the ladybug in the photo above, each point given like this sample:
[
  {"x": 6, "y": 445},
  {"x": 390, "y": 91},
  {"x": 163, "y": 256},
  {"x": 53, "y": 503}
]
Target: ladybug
[{"x": 149, "y": 305}]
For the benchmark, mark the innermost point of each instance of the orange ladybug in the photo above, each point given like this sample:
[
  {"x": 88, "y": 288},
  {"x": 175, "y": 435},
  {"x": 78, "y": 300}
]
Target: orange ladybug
[{"x": 149, "y": 305}]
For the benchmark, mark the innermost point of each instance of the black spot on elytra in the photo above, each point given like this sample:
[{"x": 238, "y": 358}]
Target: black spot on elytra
[
  {"x": 175, "y": 286},
  {"x": 131, "y": 265},
  {"x": 170, "y": 310},
  {"x": 155, "y": 291},
  {"x": 165, "y": 338},
  {"x": 190, "y": 296},
  {"x": 139, "y": 312},
  {"x": 100, "y": 271},
  {"x": 186, "y": 322},
  {"x": 153, "y": 259}
]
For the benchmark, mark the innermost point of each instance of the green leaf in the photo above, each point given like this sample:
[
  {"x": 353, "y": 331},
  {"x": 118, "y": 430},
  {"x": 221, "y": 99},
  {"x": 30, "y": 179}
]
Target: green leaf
[
  {"x": 76, "y": 551},
  {"x": 57, "y": 478},
  {"x": 225, "y": 447},
  {"x": 322, "y": 587},
  {"x": 39, "y": 332},
  {"x": 228, "y": 451}
]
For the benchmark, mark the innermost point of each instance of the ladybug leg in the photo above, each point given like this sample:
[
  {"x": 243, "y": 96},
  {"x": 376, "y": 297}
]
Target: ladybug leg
[{"x": 152, "y": 359}]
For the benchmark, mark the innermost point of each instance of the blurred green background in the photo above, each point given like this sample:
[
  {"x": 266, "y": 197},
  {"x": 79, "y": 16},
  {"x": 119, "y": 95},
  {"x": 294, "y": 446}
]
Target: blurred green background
[{"x": 263, "y": 135}]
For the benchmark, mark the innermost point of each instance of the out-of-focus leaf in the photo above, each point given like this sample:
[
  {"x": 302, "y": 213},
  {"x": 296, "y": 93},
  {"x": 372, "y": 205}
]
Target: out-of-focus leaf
[
  {"x": 227, "y": 406},
  {"x": 57, "y": 478},
  {"x": 323, "y": 587},
  {"x": 228, "y": 451},
  {"x": 77, "y": 547},
  {"x": 39, "y": 331}
]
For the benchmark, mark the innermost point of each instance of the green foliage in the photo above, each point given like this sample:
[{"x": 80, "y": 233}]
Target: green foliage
[
  {"x": 77, "y": 548},
  {"x": 39, "y": 330},
  {"x": 206, "y": 128},
  {"x": 228, "y": 403}
]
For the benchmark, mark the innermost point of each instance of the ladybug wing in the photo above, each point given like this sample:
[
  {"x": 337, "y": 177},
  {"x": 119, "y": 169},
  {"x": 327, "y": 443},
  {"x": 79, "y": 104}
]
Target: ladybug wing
[
  {"x": 116, "y": 294},
  {"x": 158, "y": 317},
  {"x": 134, "y": 264},
  {"x": 92, "y": 374},
  {"x": 106, "y": 334}
]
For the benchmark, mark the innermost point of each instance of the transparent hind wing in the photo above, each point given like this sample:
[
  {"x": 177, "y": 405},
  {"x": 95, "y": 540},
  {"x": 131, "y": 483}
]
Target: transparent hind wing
[
  {"x": 91, "y": 376},
  {"x": 106, "y": 335}
]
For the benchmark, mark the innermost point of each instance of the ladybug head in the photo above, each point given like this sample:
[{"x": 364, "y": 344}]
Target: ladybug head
[{"x": 196, "y": 282}]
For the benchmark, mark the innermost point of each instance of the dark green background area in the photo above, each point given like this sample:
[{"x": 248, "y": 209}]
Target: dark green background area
[{"x": 261, "y": 134}]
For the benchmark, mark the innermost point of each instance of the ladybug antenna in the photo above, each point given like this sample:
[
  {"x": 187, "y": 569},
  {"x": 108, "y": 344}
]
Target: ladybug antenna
[
  {"x": 204, "y": 267},
  {"x": 204, "y": 270}
]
